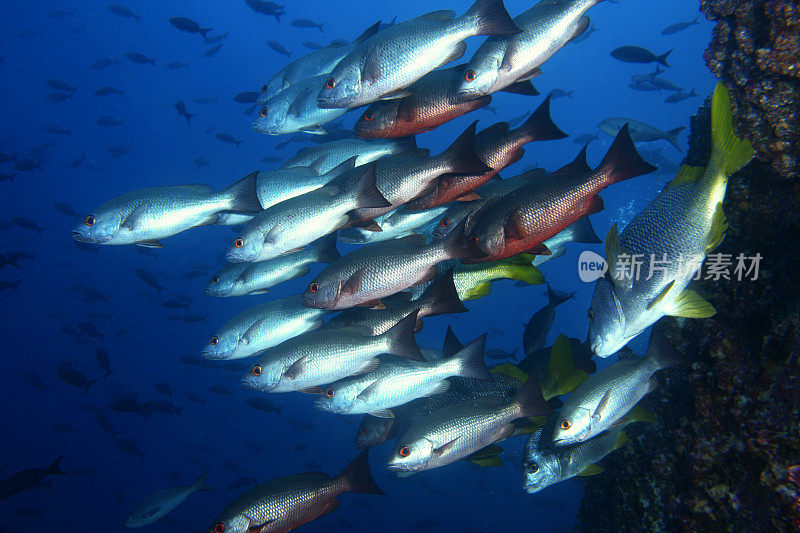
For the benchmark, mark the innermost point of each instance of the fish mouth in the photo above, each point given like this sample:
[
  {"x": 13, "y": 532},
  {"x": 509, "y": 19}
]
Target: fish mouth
[
  {"x": 214, "y": 356},
  {"x": 83, "y": 237}
]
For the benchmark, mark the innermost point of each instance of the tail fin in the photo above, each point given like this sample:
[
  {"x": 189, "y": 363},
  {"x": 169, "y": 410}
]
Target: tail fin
[
  {"x": 406, "y": 143},
  {"x": 540, "y": 127},
  {"x": 672, "y": 136},
  {"x": 622, "y": 161},
  {"x": 693, "y": 92},
  {"x": 581, "y": 231},
  {"x": 200, "y": 484},
  {"x": 729, "y": 153},
  {"x": 366, "y": 190},
  {"x": 366, "y": 34},
  {"x": 451, "y": 343},
  {"x": 663, "y": 58},
  {"x": 88, "y": 384},
  {"x": 562, "y": 377},
  {"x": 470, "y": 360},
  {"x": 461, "y": 154},
  {"x": 188, "y": 117},
  {"x": 557, "y": 298},
  {"x": 204, "y": 32},
  {"x": 243, "y": 194},
  {"x": 520, "y": 267},
  {"x": 401, "y": 339},
  {"x": 663, "y": 353},
  {"x": 357, "y": 477},
  {"x": 530, "y": 401},
  {"x": 442, "y": 297},
  {"x": 326, "y": 249},
  {"x": 55, "y": 468},
  {"x": 491, "y": 18}
]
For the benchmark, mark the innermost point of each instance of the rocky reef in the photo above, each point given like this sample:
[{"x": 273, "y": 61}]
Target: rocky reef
[{"x": 720, "y": 456}]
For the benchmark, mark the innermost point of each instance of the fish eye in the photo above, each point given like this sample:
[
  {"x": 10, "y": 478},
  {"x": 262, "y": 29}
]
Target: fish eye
[
  {"x": 474, "y": 240},
  {"x": 329, "y": 392},
  {"x": 215, "y": 279},
  {"x": 219, "y": 528},
  {"x": 314, "y": 287},
  {"x": 533, "y": 467},
  {"x": 469, "y": 75},
  {"x": 445, "y": 222},
  {"x": 264, "y": 88},
  {"x": 238, "y": 242},
  {"x": 89, "y": 220},
  {"x": 256, "y": 370},
  {"x": 362, "y": 431},
  {"x": 590, "y": 314},
  {"x": 404, "y": 451},
  {"x": 368, "y": 116},
  {"x": 566, "y": 424},
  {"x": 263, "y": 111},
  {"x": 331, "y": 83},
  {"x": 214, "y": 340}
]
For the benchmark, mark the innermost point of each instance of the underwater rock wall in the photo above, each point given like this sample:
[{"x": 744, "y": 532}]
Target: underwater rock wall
[{"x": 728, "y": 428}]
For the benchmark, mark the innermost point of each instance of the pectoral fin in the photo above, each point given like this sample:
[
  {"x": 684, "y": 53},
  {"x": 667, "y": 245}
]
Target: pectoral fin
[
  {"x": 591, "y": 470},
  {"x": 150, "y": 244},
  {"x": 602, "y": 406},
  {"x": 691, "y": 305},
  {"x": 441, "y": 450},
  {"x": 660, "y": 298}
]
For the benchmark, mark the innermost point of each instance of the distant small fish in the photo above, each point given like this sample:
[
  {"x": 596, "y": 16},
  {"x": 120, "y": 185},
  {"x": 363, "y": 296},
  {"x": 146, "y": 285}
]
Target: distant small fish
[
  {"x": 271, "y": 159},
  {"x": 637, "y": 54},
  {"x": 87, "y": 328},
  {"x": 585, "y": 138},
  {"x": 61, "y": 13},
  {"x": 159, "y": 504},
  {"x": 560, "y": 93},
  {"x": 103, "y": 359},
  {"x": 108, "y": 90},
  {"x": 266, "y": 8},
  {"x": 27, "y": 164},
  {"x": 216, "y": 38},
  {"x": 109, "y": 121},
  {"x": 7, "y": 285},
  {"x": 75, "y": 378},
  {"x": 118, "y": 150},
  {"x": 278, "y": 47},
  {"x": 200, "y": 162},
  {"x": 130, "y": 447},
  {"x": 27, "y": 223},
  {"x": 228, "y": 138},
  {"x": 174, "y": 304},
  {"x": 206, "y": 100},
  {"x": 679, "y": 26},
  {"x": 33, "y": 380},
  {"x": 57, "y": 98},
  {"x": 149, "y": 279},
  {"x": 123, "y": 12},
  {"x": 220, "y": 390},
  {"x": 679, "y": 96},
  {"x": 181, "y": 108},
  {"x": 189, "y": 26},
  {"x": 62, "y": 86},
  {"x": 103, "y": 63},
  {"x": 211, "y": 52},
  {"x": 28, "y": 479},
  {"x": 248, "y": 97},
  {"x": 306, "y": 23},
  {"x": 176, "y": 65},
  {"x": 105, "y": 423},
  {"x": 312, "y": 45},
  {"x": 141, "y": 59},
  {"x": 262, "y": 404},
  {"x": 55, "y": 130}
]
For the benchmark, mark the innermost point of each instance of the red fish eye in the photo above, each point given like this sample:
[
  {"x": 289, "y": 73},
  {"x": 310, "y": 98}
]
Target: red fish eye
[
  {"x": 314, "y": 287},
  {"x": 566, "y": 424},
  {"x": 238, "y": 242},
  {"x": 263, "y": 111},
  {"x": 219, "y": 528},
  {"x": 445, "y": 222},
  {"x": 215, "y": 279},
  {"x": 329, "y": 392},
  {"x": 362, "y": 431},
  {"x": 264, "y": 88},
  {"x": 89, "y": 220},
  {"x": 404, "y": 451},
  {"x": 256, "y": 370},
  {"x": 368, "y": 116},
  {"x": 331, "y": 83},
  {"x": 214, "y": 340},
  {"x": 474, "y": 240},
  {"x": 469, "y": 75}
]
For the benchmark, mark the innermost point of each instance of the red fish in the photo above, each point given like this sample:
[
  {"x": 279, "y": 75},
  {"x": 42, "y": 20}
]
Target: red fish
[
  {"x": 498, "y": 147},
  {"x": 522, "y": 221}
]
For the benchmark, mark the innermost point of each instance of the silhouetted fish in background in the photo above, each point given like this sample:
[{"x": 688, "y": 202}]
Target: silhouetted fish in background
[{"x": 28, "y": 479}]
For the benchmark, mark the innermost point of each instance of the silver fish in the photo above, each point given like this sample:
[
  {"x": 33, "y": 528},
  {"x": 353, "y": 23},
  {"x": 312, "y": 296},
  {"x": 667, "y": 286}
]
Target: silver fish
[
  {"x": 394, "y": 225},
  {"x": 316, "y": 358},
  {"x": 385, "y": 64},
  {"x": 502, "y": 61},
  {"x": 294, "y": 109},
  {"x": 400, "y": 381},
  {"x": 262, "y": 327},
  {"x": 603, "y": 400},
  {"x": 275, "y": 186},
  {"x": 669, "y": 240},
  {"x": 580, "y": 231},
  {"x": 159, "y": 504},
  {"x": 330, "y": 154},
  {"x": 454, "y": 432},
  {"x": 143, "y": 217},
  {"x": 241, "y": 279},
  {"x": 640, "y": 132}
]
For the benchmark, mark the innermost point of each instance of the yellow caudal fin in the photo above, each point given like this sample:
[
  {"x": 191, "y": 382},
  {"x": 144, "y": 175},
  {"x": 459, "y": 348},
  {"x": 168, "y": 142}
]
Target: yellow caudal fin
[
  {"x": 729, "y": 153},
  {"x": 685, "y": 175}
]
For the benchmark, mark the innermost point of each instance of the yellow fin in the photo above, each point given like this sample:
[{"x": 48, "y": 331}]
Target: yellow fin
[
  {"x": 614, "y": 250},
  {"x": 486, "y": 462},
  {"x": 691, "y": 305},
  {"x": 622, "y": 440},
  {"x": 686, "y": 174},
  {"x": 562, "y": 377},
  {"x": 660, "y": 298},
  {"x": 527, "y": 273},
  {"x": 729, "y": 153},
  {"x": 591, "y": 470},
  {"x": 478, "y": 291},
  {"x": 511, "y": 371},
  {"x": 719, "y": 225},
  {"x": 640, "y": 414},
  {"x": 526, "y": 426}
]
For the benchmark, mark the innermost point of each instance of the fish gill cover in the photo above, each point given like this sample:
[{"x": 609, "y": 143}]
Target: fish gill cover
[{"x": 359, "y": 208}]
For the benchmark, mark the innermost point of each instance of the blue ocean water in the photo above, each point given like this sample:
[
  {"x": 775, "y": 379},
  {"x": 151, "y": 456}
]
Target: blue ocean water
[{"x": 146, "y": 346}]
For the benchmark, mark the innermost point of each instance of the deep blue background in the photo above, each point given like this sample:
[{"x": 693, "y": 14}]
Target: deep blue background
[{"x": 460, "y": 497}]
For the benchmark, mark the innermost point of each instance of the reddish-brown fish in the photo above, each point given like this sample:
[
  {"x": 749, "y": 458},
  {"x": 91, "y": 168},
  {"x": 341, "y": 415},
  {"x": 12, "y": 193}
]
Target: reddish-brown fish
[
  {"x": 498, "y": 147},
  {"x": 522, "y": 221},
  {"x": 433, "y": 101}
]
